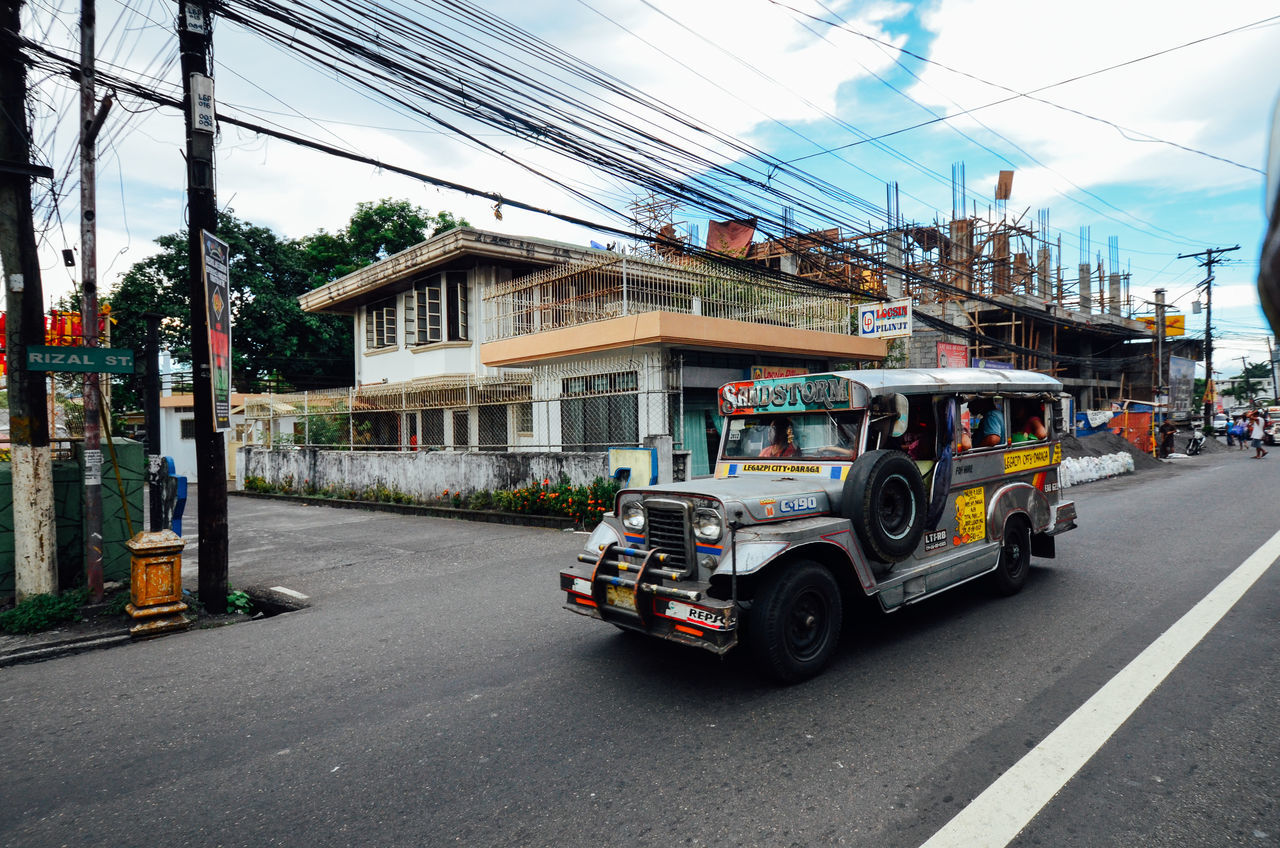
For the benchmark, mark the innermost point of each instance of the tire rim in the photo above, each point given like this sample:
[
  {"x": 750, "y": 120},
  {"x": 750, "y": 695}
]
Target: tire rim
[
  {"x": 808, "y": 620},
  {"x": 1013, "y": 553},
  {"x": 897, "y": 509}
]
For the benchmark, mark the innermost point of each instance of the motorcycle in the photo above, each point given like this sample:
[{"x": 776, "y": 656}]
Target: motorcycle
[{"x": 1196, "y": 442}]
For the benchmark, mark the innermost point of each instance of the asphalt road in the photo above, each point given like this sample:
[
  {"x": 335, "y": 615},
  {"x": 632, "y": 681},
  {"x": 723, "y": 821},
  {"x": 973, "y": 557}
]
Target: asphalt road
[{"x": 436, "y": 694}]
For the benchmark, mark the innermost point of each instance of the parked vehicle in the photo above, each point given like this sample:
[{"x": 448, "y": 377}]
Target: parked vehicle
[
  {"x": 1271, "y": 433},
  {"x": 1220, "y": 424},
  {"x": 828, "y": 486},
  {"x": 1196, "y": 443}
]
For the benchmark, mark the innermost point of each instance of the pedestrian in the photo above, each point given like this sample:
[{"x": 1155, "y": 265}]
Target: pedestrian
[
  {"x": 1231, "y": 433},
  {"x": 1167, "y": 431},
  {"x": 1242, "y": 431},
  {"x": 1255, "y": 435}
]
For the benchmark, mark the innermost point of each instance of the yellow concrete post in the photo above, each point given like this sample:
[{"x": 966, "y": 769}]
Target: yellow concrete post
[{"x": 156, "y": 583}]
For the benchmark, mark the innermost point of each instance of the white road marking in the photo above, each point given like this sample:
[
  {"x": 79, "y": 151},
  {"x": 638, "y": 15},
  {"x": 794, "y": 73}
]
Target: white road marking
[
  {"x": 1005, "y": 807},
  {"x": 293, "y": 593}
]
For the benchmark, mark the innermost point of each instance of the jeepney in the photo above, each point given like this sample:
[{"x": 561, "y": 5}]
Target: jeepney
[{"x": 827, "y": 486}]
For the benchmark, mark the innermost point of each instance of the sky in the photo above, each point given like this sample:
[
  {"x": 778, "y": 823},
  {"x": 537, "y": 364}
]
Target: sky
[{"x": 1164, "y": 153}]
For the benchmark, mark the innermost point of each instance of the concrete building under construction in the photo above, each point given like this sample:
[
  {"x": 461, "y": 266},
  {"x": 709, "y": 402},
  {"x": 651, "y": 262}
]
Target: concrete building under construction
[{"x": 996, "y": 289}]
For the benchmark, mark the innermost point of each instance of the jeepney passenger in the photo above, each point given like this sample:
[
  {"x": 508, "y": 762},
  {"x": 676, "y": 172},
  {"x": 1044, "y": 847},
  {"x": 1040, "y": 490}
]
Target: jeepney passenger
[
  {"x": 782, "y": 439},
  {"x": 990, "y": 429},
  {"x": 1028, "y": 425}
]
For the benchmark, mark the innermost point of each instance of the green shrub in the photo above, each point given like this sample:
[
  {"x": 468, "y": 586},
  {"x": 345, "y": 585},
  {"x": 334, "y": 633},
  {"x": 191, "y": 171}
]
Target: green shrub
[
  {"x": 41, "y": 612},
  {"x": 239, "y": 603},
  {"x": 257, "y": 484}
]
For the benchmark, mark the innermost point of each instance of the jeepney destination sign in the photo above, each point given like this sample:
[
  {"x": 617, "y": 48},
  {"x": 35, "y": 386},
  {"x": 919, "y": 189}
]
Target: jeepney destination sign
[{"x": 785, "y": 395}]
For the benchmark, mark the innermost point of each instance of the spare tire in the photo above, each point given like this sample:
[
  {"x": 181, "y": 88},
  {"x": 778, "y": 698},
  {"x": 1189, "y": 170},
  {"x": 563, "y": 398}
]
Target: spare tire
[{"x": 884, "y": 499}]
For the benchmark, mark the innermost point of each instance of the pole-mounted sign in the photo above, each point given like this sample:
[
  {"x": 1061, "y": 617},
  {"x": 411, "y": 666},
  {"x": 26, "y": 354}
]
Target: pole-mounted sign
[
  {"x": 217, "y": 287},
  {"x": 202, "y": 108},
  {"x": 885, "y": 320},
  {"x": 96, "y": 360}
]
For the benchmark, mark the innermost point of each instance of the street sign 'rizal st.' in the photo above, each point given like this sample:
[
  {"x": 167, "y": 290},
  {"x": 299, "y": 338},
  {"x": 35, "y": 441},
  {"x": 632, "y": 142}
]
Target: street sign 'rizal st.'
[{"x": 102, "y": 360}]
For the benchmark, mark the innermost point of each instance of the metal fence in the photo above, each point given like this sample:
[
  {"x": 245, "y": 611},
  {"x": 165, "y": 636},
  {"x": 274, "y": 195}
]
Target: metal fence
[
  {"x": 577, "y": 407},
  {"x": 462, "y": 413}
]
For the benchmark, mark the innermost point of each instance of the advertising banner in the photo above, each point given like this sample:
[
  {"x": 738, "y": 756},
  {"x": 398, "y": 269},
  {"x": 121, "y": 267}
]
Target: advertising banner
[
  {"x": 952, "y": 355},
  {"x": 217, "y": 287},
  {"x": 1182, "y": 378},
  {"x": 1174, "y": 325},
  {"x": 888, "y": 320}
]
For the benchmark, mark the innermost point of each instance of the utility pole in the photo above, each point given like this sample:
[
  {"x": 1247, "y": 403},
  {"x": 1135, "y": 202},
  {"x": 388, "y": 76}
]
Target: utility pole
[
  {"x": 194, "y": 41},
  {"x": 34, "y": 540},
  {"x": 90, "y": 123},
  {"x": 155, "y": 498},
  {"x": 1159, "y": 328},
  {"x": 1208, "y": 258}
]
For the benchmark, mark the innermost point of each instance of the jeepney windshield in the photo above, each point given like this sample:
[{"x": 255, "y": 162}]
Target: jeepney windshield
[{"x": 805, "y": 435}]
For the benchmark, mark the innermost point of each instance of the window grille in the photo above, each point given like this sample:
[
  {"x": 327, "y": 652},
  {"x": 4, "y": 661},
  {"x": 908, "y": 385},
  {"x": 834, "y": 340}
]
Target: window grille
[
  {"x": 493, "y": 428},
  {"x": 461, "y": 429},
  {"x": 433, "y": 428}
]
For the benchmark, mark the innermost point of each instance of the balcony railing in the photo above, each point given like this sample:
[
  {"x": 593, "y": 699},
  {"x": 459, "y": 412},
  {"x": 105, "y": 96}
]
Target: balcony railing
[{"x": 575, "y": 294}]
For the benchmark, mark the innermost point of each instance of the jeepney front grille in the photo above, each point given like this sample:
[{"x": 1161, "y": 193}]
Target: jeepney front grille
[{"x": 669, "y": 530}]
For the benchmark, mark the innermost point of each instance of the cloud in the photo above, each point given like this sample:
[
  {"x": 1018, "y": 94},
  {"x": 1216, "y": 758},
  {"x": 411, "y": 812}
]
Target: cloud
[{"x": 1205, "y": 96}]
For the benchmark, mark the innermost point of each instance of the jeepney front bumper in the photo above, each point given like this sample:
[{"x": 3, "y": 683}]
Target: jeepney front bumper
[{"x": 630, "y": 587}]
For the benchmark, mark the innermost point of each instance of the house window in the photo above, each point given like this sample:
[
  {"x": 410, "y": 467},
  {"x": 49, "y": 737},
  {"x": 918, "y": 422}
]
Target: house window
[
  {"x": 187, "y": 428},
  {"x": 440, "y": 308},
  {"x": 380, "y": 324},
  {"x": 524, "y": 418},
  {"x": 598, "y": 411}
]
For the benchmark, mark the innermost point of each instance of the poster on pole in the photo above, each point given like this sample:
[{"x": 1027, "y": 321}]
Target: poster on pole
[{"x": 215, "y": 257}]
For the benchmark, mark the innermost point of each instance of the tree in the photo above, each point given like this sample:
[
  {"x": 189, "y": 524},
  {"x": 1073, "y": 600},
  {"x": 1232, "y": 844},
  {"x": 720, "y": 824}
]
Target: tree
[
  {"x": 274, "y": 343},
  {"x": 375, "y": 232}
]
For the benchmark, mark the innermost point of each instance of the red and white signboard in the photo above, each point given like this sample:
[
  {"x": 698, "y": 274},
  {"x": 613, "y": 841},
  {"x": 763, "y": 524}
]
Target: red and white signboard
[{"x": 952, "y": 355}]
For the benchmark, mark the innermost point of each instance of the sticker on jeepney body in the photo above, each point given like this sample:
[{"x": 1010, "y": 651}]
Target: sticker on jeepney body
[{"x": 971, "y": 516}]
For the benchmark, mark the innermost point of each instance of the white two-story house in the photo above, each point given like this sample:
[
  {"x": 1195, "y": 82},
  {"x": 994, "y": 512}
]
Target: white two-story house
[{"x": 478, "y": 341}]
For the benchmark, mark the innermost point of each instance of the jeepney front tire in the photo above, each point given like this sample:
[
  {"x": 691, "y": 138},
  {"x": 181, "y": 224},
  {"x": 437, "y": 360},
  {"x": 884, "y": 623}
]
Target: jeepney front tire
[
  {"x": 794, "y": 623},
  {"x": 884, "y": 499},
  {"x": 1015, "y": 557}
]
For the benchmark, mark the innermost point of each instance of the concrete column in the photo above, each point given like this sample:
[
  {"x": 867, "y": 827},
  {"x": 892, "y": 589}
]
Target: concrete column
[
  {"x": 1086, "y": 286},
  {"x": 1113, "y": 294},
  {"x": 1042, "y": 274},
  {"x": 664, "y": 444}
]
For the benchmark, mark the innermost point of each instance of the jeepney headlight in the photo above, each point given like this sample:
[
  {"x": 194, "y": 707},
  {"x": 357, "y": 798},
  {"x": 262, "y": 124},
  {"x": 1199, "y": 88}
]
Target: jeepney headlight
[
  {"x": 633, "y": 516},
  {"x": 708, "y": 526}
]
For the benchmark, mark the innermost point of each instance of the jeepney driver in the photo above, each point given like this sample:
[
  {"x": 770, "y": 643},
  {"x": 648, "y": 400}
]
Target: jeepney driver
[
  {"x": 782, "y": 439},
  {"x": 990, "y": 429}
]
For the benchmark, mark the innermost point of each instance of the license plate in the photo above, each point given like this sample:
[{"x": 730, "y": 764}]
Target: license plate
[{"x": 621, "y": 597}]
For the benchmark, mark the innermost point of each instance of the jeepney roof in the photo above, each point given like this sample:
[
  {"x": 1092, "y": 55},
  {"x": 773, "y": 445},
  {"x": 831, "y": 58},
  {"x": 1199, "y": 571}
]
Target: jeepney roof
[{"x": 919, "y": 380}]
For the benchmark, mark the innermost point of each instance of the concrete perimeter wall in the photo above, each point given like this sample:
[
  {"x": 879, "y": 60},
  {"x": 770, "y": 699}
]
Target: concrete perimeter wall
[{"x": 423, "y": 474}]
